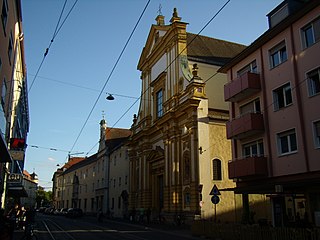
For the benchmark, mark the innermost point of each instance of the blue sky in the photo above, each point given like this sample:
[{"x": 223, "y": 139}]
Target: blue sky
[{"x": 85, "y": 50}]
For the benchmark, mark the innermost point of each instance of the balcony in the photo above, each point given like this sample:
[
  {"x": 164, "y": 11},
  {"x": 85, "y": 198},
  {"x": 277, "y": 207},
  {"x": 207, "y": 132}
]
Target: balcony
[
  {"x": 255, "y": 166},
  {"x": 245, "y": 126},
  {"x": 242, "y": 87}
]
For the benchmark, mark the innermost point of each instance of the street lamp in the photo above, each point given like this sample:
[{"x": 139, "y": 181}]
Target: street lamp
[{"x": 110, "y": 97}]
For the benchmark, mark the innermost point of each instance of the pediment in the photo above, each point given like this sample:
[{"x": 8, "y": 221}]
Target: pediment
[
  {"x": 156, "y": 32},
  {"x": 155, "y": 154}
]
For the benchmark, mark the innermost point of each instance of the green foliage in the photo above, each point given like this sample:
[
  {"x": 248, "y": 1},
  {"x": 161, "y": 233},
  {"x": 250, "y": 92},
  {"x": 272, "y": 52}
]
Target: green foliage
[{"x": 43, "y": 198}]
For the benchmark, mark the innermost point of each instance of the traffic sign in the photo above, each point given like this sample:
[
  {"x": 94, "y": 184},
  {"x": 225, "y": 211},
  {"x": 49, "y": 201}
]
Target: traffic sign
[
  {"x": 215, "y": 199},
  {"x": 215, "y": 190}
]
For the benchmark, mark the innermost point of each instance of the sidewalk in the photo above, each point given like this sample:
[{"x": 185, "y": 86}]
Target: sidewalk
[{"x": 18, "y": 234}]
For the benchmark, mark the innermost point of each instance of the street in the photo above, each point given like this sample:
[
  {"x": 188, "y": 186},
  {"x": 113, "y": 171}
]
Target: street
[{"x": 50, "y": 227}]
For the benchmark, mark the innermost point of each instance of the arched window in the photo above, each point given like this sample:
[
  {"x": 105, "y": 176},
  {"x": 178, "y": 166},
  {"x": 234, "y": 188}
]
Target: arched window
[{"x": 216, "y": 169}]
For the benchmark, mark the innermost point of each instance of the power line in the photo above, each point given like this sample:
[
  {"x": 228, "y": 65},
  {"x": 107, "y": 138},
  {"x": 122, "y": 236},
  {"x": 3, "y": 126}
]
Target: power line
[
  {"x": 56, "y": 31},
  {"x": 49, "y": 148},
  {"x": 84, "y": 87},
  {"x": 114, "y": 67},
  {"x": 140, "y": 98}
]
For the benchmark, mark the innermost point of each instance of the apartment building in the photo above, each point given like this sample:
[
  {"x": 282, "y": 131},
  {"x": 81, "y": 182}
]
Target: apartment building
[
  {"x": 14, "y": 113},
  {"x": 99, "y": 181},
  {"x": 273, "y": 92},
  {"x": 30, "y": 184},
  {"x": 178, "y": 150}
]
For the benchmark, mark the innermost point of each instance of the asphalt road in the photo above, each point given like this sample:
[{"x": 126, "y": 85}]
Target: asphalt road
[{"x": 50, "y": 227}]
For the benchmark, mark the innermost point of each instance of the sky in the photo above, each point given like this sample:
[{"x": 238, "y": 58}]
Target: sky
[{"x": 95, "y": 51}]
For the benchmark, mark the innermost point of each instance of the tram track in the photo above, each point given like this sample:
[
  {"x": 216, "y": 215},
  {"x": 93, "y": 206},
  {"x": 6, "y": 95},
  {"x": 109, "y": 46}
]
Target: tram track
[{"x": 54, "y": 230}]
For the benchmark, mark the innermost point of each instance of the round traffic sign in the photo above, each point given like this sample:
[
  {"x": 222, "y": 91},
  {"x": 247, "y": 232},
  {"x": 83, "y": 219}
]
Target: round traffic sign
[{"x": 215, "y": 199}]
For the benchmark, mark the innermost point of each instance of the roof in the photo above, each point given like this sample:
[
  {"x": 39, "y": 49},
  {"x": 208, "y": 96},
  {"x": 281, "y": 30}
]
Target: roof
[
  {"x": 72, "y": 161},
  {"x": 83, "y": 162},
  {"x": 115, "y": 133},
  {"x": 27, "y": 174},
  {"x": 211, "y": 50}
]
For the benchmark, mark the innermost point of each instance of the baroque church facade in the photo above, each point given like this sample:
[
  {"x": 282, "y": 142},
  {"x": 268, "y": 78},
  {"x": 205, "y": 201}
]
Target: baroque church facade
[{"x": 178, "y": 149}]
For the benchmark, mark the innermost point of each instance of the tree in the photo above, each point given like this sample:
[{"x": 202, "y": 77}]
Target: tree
[{"x": 43, "y": 198}]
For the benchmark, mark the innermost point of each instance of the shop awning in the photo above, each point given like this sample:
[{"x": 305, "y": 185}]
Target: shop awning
[{"x": 17, "y": 191}]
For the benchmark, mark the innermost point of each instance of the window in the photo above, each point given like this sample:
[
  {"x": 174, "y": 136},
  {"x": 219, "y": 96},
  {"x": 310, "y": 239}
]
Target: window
[
  {"x": 119, "y": 202},
  {"x": 187, "y": 197},
  {"x": 112, "y": 203},
  {"x": 126, "y": 180},
  {"x": 4, "y": 14},
  {"x": 287, "y": 142},
  {"x": 3, "y": 93},
  {"x": 119, "y": 181},
  {"x": 310, "y": 34},
  {"x": 159, "y": 107},
  {"x": 282, "y": 97},
  {"x": 10, "y": 47},
  {"x": 316, "y": 133},
  {"x": 278, "y": 55},
  {"x": 251, "y": 67},
  {"x": 314, "y": 82},
  {"x": 253, "y": 149},
  {"x": 251, "y": 107},
  {"x": 216, "y": 169},
  {"x": 114, "y": 183},
  {"x": 0, "y": 64}
]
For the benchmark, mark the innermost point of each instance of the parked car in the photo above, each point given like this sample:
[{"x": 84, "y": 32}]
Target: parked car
[
  {"x": 63, "y": 211},
  {"x": 74, "y": 212},
  {"x": 49, "y": 210}
]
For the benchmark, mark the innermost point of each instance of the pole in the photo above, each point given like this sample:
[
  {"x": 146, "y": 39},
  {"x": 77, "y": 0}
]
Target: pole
[{"x": 215, "y": 213}]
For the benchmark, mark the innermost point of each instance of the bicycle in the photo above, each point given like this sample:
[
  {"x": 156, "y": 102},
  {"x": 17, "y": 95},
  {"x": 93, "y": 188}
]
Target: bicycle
[{"x": 29, "y": 233}]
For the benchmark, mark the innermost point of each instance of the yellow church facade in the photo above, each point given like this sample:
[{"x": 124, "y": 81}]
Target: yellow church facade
[{"x": 178, "y": 150}]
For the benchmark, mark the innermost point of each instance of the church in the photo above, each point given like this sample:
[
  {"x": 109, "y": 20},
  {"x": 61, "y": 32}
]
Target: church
[{"x": 178, "y": 149}]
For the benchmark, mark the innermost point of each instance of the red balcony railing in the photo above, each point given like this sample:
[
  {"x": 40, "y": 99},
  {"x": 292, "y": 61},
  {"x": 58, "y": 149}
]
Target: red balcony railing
[
  {"x": 242, "y": 87},
  {"x": 244, "y": 126},
  {"x": 255, "y": 166}
]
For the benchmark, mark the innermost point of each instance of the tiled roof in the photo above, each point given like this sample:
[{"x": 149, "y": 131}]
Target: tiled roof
[
  {"x": 72, "y": 161},
  {"x": 114, "y": 133},
  {"x": 211, "y": 50},
  {"x": 83, "y": 162},
  {"x": 26, "y": 174}
]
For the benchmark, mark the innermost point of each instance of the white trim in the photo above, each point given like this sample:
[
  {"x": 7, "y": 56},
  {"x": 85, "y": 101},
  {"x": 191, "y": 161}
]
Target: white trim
[{"x": 285, "y": 133}]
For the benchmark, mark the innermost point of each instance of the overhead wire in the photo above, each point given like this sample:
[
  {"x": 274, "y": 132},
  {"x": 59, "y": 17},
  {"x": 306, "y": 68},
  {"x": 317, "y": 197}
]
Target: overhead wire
[
  {"x": 56, "y": 31},
  {"x": 48, "y": 148},
  {"x": 214, "y": 16},
  {"x": 110, "y": 74},
  {"x": 87, "y": 88}
]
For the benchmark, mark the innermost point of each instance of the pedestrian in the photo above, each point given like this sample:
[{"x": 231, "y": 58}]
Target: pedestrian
[
  {"x": 133, "y": 214},
  {"x": 99, "y": 215},
  {"x": 148, "y": 213},
  {"x": 12, "y": 218},
  {"x": 4, "y": 226},
  {"x": 21, "y": 218}
]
